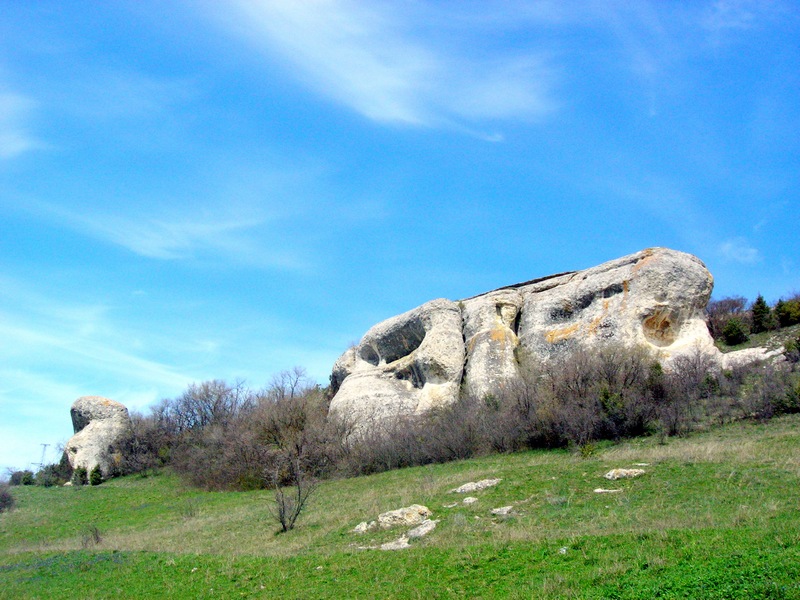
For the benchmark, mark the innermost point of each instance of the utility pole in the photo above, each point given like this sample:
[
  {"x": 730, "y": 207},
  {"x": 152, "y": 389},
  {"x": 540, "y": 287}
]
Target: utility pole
[{"x": 44, "y": 451}]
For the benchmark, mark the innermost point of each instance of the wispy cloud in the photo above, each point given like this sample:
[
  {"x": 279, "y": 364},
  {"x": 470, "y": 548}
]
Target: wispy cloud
[
  {"x": 40, "y": 330},
  {"x": 739, "y": 250},
  {"x": 15, "y": 138},
  {"x": 362, "y": 56},
  {"x": 731, "y": 14},
  {"x": 168, "y": 239},
  {"x": 183, "y": 234}
]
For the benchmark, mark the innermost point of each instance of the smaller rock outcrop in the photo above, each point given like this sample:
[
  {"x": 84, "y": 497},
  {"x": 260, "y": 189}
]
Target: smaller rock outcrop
[
  {"x": 415, "y": 516},
  {"x": 739, "y": 358},
  {"x": 400, "y": 543},
  {"x": 423, "y": 528},
  {"x": 409, "y": 515},
  {"x": 101, "y": 426}
]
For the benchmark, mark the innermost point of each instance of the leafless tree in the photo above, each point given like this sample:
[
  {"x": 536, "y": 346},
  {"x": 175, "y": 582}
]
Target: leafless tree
[{"x": 293, "y": 488}]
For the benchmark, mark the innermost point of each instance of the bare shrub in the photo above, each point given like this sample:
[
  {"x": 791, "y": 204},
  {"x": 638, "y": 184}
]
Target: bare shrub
[
  {"x": 6, "y": 499},
  {"x": 719, "y": 312},
  {"x": 249, "y": 449},
  {"x": 221, "y": 457},
  {"x": 458, "y": 431},
  {"x": 211, "y": 402},
  {"x": 291, "y": 498},
  {"x": 389, "y": 443},
  {"x": 691, "y": 378},
  {"x": 771, "y": 392},
  {"x": 588, "y": 396},
  {"x": 91, "y": 536}
]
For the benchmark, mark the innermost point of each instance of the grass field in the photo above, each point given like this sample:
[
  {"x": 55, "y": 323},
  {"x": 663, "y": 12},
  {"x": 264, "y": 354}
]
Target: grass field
[{"x": 717, "y": 515}]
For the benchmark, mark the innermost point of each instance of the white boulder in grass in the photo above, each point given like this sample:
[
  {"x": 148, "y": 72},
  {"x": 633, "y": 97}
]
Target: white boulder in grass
[
  {"x": 475, "y": 486},
  {"x": 615, "y": 474}
]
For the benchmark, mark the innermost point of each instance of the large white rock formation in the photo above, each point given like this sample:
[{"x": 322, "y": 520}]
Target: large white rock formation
[
  {"x": 101, "y": 426},
  {"x": 426, "y": 357}
]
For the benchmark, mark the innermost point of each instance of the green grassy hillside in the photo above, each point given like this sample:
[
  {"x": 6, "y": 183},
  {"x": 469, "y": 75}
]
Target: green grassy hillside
[
  {"x": 771, "y": 340},
  {"x": 717, "y": 515}
]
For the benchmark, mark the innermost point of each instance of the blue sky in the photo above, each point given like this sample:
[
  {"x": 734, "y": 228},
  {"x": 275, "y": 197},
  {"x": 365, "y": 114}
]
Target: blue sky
[{"x": 199, "y": 190}]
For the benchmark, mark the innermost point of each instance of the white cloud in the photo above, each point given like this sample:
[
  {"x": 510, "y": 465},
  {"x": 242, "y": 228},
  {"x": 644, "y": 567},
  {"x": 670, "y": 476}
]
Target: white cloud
[
  {"x": 14, "y": 136},
  {"x": 360, "y": 55},
  {"x": 738, "y": 250}
]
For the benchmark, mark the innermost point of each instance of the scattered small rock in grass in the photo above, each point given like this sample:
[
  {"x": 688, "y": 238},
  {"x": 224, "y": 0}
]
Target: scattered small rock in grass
[
  {"x": 451, "y": 505},
  {"x": 562, "y": 550},
  {"x": 615, "y": 474},
  {"x": 474, "y": 486},
  {"x": 422, "y": 529},
  {"x": 502, "y": 511},
  {"x": 398, "y": 544},
  {"x": 603, "y": 491},
  {"x": 364, "y": 527},
  {"x": 470, "y": 500},
  {"x": 641, "y": 464}
]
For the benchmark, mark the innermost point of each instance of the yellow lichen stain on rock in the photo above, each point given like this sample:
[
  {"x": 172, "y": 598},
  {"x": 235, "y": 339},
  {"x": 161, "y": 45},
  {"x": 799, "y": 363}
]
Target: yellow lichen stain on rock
[
  {"x": 596, "y": 322},
  {"x": 626, "y": 287},
  {"x": 557, "y": 335},
  {"x": 647, "y": 257},
  {"x": 500, "y": 334},
  {"x": 497, "y": 335}
]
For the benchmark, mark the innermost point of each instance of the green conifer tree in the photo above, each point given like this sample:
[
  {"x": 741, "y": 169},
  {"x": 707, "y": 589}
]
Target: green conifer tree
[{"x": 762, "y": 316}]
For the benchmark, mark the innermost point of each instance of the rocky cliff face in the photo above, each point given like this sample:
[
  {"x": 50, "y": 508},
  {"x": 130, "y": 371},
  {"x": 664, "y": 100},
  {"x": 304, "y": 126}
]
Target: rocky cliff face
[
  {"x": 101, "y": 426},
  {"x": 428, "y": 356}
]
